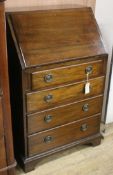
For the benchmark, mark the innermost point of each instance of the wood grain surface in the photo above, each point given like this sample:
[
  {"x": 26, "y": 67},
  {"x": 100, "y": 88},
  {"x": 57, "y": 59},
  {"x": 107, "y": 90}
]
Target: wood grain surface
[
  {"x": 1, "y": 118},
  {"x": 6, "y": 141},
  {"x": 55, "y": 36},
  {"x": 3, "y": 159},
  {"x": 63, "y": 94},
  {"x": 63, "y": 114},
  {"x": 67, "y": 74},
  {"x": 62, "y": 135},
  {"x": 54, "y": 42}
]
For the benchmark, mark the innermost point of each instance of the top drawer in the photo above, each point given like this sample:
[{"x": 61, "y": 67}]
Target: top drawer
[{"x": 57, "y": 76}]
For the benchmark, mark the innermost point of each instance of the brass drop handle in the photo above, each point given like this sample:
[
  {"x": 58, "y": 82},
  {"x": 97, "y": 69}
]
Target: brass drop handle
[
  {"x": 48, "y": 139},
  {"x": 85, "y": 107},
  {"x": 48, "y": 78},
  {"x": 48, "y": 118},
  {"x": 84, "y": 127},
  {"x": 48, "y": 98},
  {"x": 89, "y": 69}
]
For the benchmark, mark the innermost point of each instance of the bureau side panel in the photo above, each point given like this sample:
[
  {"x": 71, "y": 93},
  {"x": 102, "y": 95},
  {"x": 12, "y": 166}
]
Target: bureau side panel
[
  {"x": 16, "y": 90},
  {"x": 7, "y": 141}
]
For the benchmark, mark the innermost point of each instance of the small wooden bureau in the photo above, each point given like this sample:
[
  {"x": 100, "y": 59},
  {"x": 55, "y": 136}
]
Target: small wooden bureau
[{"x": 57, "y": 66}]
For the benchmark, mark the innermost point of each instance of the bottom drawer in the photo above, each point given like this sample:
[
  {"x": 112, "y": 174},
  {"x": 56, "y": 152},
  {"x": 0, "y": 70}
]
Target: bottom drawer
[{"x": 62, "y": 135}]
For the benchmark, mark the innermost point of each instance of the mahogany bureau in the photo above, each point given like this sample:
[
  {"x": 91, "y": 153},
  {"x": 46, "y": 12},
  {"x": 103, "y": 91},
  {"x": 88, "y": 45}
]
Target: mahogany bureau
[
  {"x": 7, "y": 161},
  {"x": 57, "y": 71}
]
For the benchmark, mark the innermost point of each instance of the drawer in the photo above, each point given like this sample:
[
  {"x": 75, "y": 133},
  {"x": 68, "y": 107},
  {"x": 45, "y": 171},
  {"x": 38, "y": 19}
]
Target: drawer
[
  {"x": 62, "y": 75},
  {"x": 63, "y": 114},
  {"x": 46, "y": 99},
  {"x": 44, "y": 141}
]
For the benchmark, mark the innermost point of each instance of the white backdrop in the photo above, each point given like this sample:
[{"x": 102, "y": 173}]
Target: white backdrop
[
  {"x": 28, "y": 4},
  {"x": 104, "y": 16}
]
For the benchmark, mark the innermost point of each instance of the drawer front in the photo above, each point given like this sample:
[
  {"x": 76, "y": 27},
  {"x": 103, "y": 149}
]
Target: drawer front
[
  {"x": 60, "y": 136},
  {"x": 64, "y": 114},
  {"x": 66, "y": 74},
  {"x": 45, "y": 99}
]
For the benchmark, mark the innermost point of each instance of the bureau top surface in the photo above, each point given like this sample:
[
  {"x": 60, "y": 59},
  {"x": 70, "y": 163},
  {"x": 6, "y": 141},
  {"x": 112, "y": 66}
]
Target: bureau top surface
[{"x": 51, "y": 36}]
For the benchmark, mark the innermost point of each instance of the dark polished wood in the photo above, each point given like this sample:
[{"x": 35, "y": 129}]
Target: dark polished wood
[
  {"x": 54, "y": 31},
  {"x": 65, "y": 74},
  {"x": 53, "y": 53},
  {"x": 63, "y": 114},
  {"x": 3, "y": 161},
  {"x": 1, "y": 118},
  {"x": 62, "y": 135},
  {"x": 7, "y": 162},
  {"x": 63, "y": 94}
]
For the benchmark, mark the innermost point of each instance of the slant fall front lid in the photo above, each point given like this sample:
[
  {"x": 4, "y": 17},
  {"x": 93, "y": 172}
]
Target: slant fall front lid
[{"x": 46, "y": 37}]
